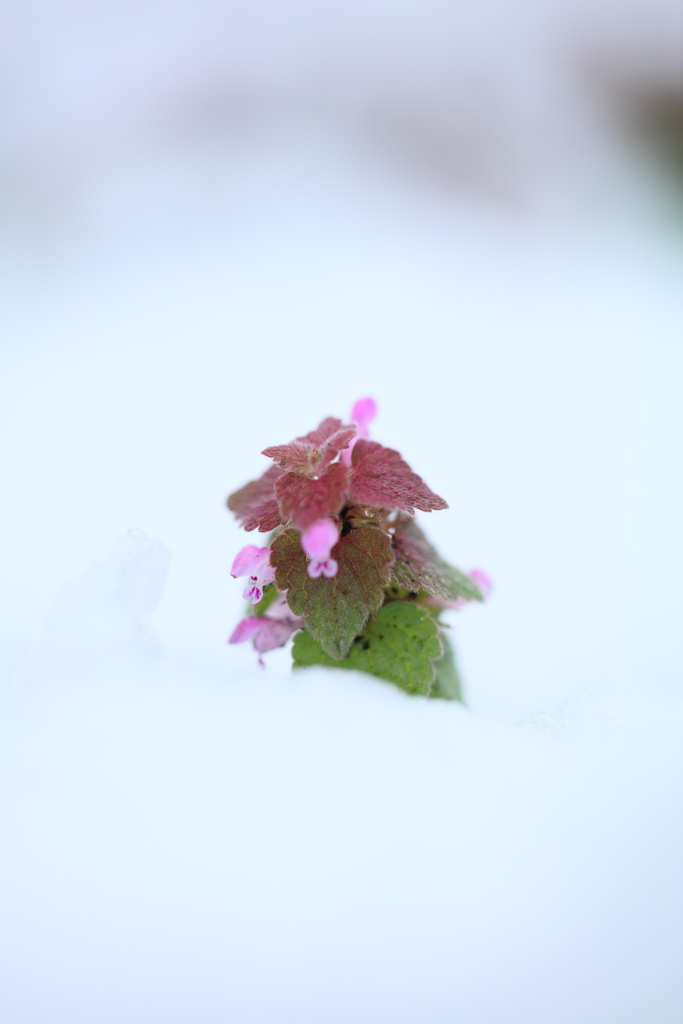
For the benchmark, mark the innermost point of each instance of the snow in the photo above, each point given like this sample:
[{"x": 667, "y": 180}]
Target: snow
[
  {"x": 186, "y": 842},
  {"x": 186, "y": 838}
]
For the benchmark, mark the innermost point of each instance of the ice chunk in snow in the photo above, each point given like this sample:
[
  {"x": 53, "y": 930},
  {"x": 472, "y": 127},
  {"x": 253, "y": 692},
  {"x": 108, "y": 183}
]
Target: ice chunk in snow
[
  {"x": 104, "y": 613},
  {"x": 17, "y": 643}
]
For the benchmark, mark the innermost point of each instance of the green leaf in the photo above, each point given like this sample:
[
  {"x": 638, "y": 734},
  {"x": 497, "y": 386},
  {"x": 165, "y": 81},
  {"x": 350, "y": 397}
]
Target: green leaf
[
  {"x": 447, "y": 683},
  {"x": 400, "y": 644},
  {"x": 418, "y": 566},
  {"x": 335, "y": 610}
]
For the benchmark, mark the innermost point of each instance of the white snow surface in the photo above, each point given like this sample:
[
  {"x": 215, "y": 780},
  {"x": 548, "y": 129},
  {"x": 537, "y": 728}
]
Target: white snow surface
[
  {"x": 186, "y": 839},
  {"x": 186, "y": 842}
]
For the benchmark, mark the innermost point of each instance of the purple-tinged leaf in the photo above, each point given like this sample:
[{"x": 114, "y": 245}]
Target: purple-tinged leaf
[
  {"x": 311, "y": 454},
  {"x": 295, "y": 457},
  {"x": 268, "y": 629},
  {"x": 274, "y": 633},
  {"x": 323, "y": 432},
  {"x": 335, "y": 610},
  {"x": 483, "y": 584},
  {"x": 418, "y": 567},
  {"x": 255, "y": 505},
  {"x": 303, "y": 499},
  {"x": 266, "y": 632},
  {"x": 381, "y": 478},
  {"x": 245, "y": 629}
]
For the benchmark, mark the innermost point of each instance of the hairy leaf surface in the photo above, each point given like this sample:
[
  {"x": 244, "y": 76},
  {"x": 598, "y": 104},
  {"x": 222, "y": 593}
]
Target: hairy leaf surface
[
  {"x": 401, "y": 644},
  {"x": 382, "y": 478},
  {"x": 303, "y": 500},
  {"x": 419, "y": 567},
  {"x": 255, "y": 505},
  {"x": 335, "y": 610},
  {"x": 312, "y": 453}
]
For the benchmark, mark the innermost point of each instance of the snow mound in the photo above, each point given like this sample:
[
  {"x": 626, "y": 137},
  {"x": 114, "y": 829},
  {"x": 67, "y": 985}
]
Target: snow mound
[{"x": 187, "y": 846}]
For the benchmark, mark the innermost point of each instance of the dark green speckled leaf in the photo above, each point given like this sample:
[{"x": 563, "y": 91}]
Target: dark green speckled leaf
[
  {"x": 400, "y": 644},
  {"x": 447, "y": 683}
]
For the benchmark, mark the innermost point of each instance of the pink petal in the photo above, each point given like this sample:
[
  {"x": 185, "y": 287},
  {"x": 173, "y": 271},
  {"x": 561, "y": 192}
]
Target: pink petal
[
  {"x": 267, "y": 574},
  {"x": 319, "y": 539},
  {"x": 363, "y": 412},
  {"x": 279, "y": 609},
  {"x": 325, "y": 567},
  {"x": 248, "y": 561},
  {"x": 245, "y": 629},
  {"x": 253, "y": 593},
  {"x": 482, "y": 580}
]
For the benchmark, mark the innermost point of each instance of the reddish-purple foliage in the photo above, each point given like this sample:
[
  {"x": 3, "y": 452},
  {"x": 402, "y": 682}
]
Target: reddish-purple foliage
[
  {"x": 346, "y": 546},
  {"x": 345, "y": 542},
  {"x": 304, "y": 500},
  {"x": 311, "y": 454},
  {"x": 315, "y": 486},
  {"x": 326, "y": 429},
  {"x": 419, "y": 567},
  {"x": 381, "y": 478},
  {"x": 255, "y": 505}
]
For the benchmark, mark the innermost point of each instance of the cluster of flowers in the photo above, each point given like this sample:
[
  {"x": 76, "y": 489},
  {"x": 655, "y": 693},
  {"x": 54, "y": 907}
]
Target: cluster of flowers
[{"x": 317, "y": 482}]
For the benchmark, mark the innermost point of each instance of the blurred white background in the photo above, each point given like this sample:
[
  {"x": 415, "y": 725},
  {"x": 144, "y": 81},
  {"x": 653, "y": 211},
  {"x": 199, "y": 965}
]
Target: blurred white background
[{"x": 220, "y": 223}]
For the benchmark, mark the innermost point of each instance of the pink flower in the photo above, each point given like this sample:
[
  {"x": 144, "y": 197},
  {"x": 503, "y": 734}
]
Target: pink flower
[
  {"x": 317, "y": 542},
  {"x": 363, "y": 412},
  {"x": 482, "y": 580},
  {"x": 270, "y": 630},
  {"x": 255, "y": 563}
]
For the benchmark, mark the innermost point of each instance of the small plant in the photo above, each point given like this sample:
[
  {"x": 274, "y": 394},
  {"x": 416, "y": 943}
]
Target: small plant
[{"x": 347, "y": 570}]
